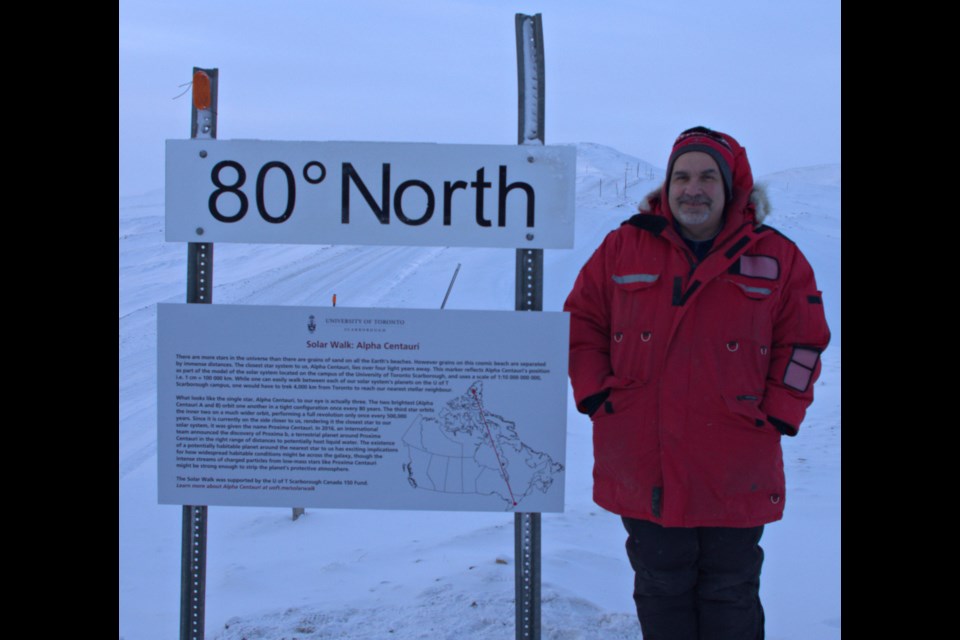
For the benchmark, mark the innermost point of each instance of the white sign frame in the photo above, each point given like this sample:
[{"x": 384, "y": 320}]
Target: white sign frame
[
  {"x": 482, "y": 428},
  {"x": 370, "y": 193}
]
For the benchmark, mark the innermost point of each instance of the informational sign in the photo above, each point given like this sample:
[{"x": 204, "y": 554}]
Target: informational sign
[
  {"x": 361, "y": 408},
  {"x": 370, "y": 193}
]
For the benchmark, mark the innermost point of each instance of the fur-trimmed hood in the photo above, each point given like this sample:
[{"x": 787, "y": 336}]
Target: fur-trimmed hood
[
  {"x": 758, "y": 202},
  {"x": 746, "y": 201}
]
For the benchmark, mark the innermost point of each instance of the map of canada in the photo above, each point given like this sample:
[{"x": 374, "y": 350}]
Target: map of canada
[{"x": 466, "y": 449}]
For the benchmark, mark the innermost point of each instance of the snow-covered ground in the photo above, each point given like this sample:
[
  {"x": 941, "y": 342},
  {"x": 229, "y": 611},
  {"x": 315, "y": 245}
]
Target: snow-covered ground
[{"x": 403, "y": 574}]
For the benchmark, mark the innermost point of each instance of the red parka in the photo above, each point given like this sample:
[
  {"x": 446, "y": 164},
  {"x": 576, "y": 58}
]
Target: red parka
[{"x": 693, "y": 370}]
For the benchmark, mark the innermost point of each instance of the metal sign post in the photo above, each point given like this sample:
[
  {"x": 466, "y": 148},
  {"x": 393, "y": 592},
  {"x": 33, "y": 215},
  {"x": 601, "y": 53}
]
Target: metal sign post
[
  {"x": 193, "y": 544},
  {"x": 529, "y": 297}
]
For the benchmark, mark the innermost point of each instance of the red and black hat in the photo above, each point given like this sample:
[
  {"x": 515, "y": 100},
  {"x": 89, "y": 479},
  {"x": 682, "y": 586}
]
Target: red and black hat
[{"x": 713, "y": 143}]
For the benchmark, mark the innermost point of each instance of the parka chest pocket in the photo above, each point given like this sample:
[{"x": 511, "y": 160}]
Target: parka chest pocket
[
  {"x": 633, "y": 323},
  {"x": 757, "y": 277},
  {"x": 750, "y": 301}
]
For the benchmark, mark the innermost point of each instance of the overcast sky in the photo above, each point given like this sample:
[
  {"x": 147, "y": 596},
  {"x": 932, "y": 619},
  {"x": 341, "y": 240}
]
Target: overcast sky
[{"x": 630, "y": 74}]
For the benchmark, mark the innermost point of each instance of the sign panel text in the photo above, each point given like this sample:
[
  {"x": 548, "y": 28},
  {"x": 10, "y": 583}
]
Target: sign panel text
[{"x": 361, "y": 408}]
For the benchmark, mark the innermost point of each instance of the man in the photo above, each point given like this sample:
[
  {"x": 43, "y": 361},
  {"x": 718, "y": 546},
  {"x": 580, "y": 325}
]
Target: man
[{"x": 695, "y": 341}]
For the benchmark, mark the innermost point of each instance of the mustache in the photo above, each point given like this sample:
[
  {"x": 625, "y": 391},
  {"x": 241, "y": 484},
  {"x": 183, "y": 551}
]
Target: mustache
[{"x": 700, "y": 199}]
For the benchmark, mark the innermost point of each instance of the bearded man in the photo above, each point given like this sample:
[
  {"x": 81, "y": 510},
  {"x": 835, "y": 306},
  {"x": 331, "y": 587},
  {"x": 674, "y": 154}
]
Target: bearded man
[{"x": 695, "y": 341}]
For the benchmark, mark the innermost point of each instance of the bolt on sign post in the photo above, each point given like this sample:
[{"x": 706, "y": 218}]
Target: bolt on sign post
[{"x": 529, "y": 297}]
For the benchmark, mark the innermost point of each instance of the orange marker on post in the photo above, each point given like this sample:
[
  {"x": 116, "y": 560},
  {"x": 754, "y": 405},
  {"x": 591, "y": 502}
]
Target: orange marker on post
[{"x": 201, "y": 91}]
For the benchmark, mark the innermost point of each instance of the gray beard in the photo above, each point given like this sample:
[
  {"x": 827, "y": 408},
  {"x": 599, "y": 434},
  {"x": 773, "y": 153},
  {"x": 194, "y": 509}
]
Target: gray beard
[{"x": 692, "y": 218}]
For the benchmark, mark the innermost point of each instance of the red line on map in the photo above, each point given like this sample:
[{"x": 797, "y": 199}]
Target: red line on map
[{"x": 494, "y": 445}]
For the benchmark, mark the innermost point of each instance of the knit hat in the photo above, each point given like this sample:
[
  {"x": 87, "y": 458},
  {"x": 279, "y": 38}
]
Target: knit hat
[{"x": 711, "y": 142}]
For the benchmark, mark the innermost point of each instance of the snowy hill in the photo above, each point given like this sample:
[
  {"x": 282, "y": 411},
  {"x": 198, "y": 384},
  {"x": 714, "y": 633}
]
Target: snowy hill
[{"x": 402, "y": 574}]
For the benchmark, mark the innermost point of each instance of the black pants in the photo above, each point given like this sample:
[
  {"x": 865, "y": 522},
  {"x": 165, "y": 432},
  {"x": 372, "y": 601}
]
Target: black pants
[{"x": 696, "y": 584}]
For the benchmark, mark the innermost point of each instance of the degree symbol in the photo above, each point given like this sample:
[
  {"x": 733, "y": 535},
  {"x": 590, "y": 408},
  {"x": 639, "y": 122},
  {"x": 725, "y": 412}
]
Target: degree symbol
[{"x": 306, "y": 170}]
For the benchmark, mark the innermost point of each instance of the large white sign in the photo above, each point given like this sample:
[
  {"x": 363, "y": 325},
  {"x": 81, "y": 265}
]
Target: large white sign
[
  {"x": 361, "y": 408},
  {"x": 370, "y": 193}
]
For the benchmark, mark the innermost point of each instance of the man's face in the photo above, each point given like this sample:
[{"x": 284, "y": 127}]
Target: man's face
[{"x": 696, "y": 195}]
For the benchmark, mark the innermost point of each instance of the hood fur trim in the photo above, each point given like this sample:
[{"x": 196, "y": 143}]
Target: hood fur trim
[
  {"x": 650, "y": 201},
  {"x": 758, "y": 198},
  {"x": 760, "y": 201}
]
